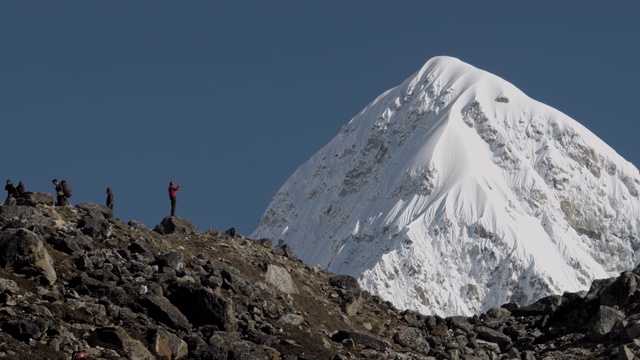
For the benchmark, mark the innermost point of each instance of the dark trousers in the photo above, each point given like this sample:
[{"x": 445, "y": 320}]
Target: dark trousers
[{"x": 173, "y": 206}]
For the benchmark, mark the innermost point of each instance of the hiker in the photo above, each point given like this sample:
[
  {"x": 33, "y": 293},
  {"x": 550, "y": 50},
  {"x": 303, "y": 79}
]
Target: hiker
[
  {"x": 11, "y": 191},
  {"x": 21, "y": 189},
  {"x": 172, "y": 196},
  {"x": 79, "y": 355},
  {"x": 109, "y": 199},
  {"x": 59, "y": 192},
  {"x": 66, "y": 191}
]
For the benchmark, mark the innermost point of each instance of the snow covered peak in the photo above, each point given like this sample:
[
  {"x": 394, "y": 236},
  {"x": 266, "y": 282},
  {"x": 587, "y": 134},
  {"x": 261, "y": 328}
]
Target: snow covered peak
[{"x": 455, "y": 192}]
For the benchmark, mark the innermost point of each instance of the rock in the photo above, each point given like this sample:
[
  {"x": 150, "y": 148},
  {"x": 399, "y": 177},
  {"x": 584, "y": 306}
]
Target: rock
[
  {"x": 351, "y": 305},
  {"x": 364, "y": 340},
  {"x": 346, "y": 282},
  {"x": 202, "y": 307},
  {"x": 176, "y": 225},
  {"x": 412, "y": 338},
  {"x": 173, "y": 259},
  {"x": 625, "y": 354},
  {"x": 10, "y": 212},
  {"x": 116, "y": 338},
  {"x": 604, "y": 321},
  {"x": 138, "y": 248},
  {"x": 8, "y": 286},
  {"x": 162, "y": 310},
  {"x": 279, "y": 277},
  {"x": 460, "y": 322},
  {"x": 95, "y": 211},
  {"x": 25, "y": 329},
  {"x": 495, "y": 318},
  {"x": 96, "y": 228},
  {"x": 633, "y": 330},
  {"x": 493, "y": 336},
  {"x": 36, "y": 198},
  {"x": 266, "y": 242},
  {"x": 168, "y": 346},
  {"x": 226, "y": 346},
  {"x": 292, "y": 319},
  {"x": 621, "y": 291},
  {"x": 138, "y": 225},
  {"x": 25, "y": 252},
  {"x": 72, "y": 244}
]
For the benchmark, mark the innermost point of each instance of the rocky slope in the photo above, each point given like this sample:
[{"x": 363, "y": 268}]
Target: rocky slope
[{"x": 76, "y": 276}]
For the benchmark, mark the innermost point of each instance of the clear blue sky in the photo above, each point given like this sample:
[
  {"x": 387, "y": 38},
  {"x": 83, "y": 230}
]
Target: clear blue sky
[{"x": 228, "y": 98}]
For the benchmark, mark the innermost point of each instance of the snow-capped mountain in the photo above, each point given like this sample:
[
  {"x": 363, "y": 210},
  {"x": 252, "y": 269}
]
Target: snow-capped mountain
[{"x": 455, "y": 192}]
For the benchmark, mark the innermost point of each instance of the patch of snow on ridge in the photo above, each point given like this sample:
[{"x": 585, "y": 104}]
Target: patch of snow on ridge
[{"x": 455, "y": 192}]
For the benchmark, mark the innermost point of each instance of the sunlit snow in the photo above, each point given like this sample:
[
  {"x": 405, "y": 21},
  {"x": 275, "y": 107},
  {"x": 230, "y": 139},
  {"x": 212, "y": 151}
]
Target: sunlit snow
[{"x": 455, "y": 192}]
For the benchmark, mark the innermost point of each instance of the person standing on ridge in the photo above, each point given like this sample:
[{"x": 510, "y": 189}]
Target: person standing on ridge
[
  {"x": 59, "y": 192},
  {"x": 11, "y": 191},
  {"x": 109, "y": 199},
  {"x": 172, "y": 196},
  {"x": 21, "y": 189},
  {"x": 66, "y": 192}
]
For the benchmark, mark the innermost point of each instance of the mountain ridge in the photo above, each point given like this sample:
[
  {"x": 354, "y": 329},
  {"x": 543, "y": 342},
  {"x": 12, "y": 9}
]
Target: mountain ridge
[
  {"x": 456, "y": 162},
  {"x": 79, "y": 277}
]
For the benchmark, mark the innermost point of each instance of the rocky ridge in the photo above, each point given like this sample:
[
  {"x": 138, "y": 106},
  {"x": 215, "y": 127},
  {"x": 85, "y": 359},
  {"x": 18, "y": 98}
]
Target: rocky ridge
[{"x": 77, "y": 276}]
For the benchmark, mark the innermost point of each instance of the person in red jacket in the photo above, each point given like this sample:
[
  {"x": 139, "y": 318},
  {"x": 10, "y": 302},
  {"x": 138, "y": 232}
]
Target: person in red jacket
[{"x": 172, "y": 196}]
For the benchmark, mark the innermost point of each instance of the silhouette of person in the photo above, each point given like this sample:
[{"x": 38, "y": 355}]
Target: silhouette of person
[
  {"x": 109, "y": 198},
  {"x": 59, "y": 192},
  {"x": 12, "y": 192},
  {"x": 21, "y": 189},
  {"x": 66, "y": 192},
  {"x": 172, "y": 196}
]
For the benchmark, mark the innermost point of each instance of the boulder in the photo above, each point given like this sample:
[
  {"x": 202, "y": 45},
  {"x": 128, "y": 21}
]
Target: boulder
[
  {"x": 35, "y": 198},
  {"x": 227, "y": 346},
  {"x": 176, "y": 225},
  {"x": 292, "y": 319},
  {"x": 351, "y": 304},
  {"x": 167, "y": 346},
  {"x": 412, "y": 338},
  {"x": 363, "y": 340},
  {"x": 25, "y": 329},
  {"x": 138, "y": 247},
  {"x": 173, "y": 259},
  {"x": 71, "y": 244},
  {"x": 11, "y": 212},
  {"x": 7, "y": 285},
  {"x": 137, "y": 225},
  {"x": 95, "y": 211},
  {"x": 279, "y": 277},
  {"x": 202, "y": 307},
  {"x": 96, "y": 228},
  {"x": 116, "y": 338},
  {"x": 493, "y": 336},
  {"x": 621, "y": 292},
  {"x": 162, "y": 310},
  {"x": 604, "y": 321},
  {"x": 346, "y": 282},
  {"x": 24, "y": 251},
  {"x": 266, "y": 242}
]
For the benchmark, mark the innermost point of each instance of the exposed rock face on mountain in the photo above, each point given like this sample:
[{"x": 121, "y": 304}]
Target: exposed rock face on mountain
[
  {"x": 77, "y": 277},
  {"x": 455, "y": 192}
]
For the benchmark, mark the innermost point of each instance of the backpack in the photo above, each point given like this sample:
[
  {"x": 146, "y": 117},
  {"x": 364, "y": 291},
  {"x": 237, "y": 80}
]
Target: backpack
[
  {"x": 79, "y": 355},
  {"x": 66, "y": 188}
]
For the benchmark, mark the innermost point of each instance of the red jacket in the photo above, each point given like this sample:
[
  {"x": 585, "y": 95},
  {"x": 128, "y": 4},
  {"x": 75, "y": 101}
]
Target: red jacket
[{"x": 172, "y": 191}]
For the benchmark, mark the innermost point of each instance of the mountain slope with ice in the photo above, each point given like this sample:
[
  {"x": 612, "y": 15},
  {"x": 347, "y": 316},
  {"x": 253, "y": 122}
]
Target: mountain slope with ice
[{"x": 455, "y": 192}]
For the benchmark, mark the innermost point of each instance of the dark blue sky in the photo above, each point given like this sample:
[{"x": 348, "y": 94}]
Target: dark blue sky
[{"x": 228, "y": 98}]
